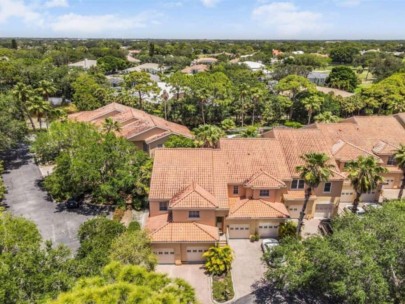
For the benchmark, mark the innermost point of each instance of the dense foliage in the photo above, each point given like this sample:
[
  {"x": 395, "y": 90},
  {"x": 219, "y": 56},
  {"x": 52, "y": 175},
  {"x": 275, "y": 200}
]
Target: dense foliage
[
  {"x": 218, "y": 260},
  {"x": 106, "y": 167},
  {"x": 128, "y": 284},
  {"x": 362, "y": 262}
]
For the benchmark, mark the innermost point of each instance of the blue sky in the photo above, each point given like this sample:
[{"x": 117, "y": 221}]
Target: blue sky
[{"x": 204, "y": 19}]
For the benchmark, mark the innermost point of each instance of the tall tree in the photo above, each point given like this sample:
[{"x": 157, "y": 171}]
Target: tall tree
[
  {"x": 23, "y": 94},
  {"x": 326, "y": 117},
  {"x": 46, "y": 89},
  {"x": 312, "y": 103},
  {"x": 315, "y": 170},
  {"x": 400, "y": 160},
  {"x": 208, "y": 136},
  {"x": 142, "y": 84},
  {"x": 39, "y": 108},
  {"x": 365, "y": 174}
]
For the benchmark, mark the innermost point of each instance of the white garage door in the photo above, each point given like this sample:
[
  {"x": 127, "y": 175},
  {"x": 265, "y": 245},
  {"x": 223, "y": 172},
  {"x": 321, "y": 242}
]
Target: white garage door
[
  {"x": 239, "y": 231},
  {"x": 165, "y": 255},
  {"x": 194, "y": 254},
  {"x": 323, "y": 210},
  {"x": 294, "y": 210},
  {"x": 268, "y": 229}
]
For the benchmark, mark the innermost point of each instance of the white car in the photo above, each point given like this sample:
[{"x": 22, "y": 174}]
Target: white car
[
  {"x": 268, "y": 244},
  {"x": 360, "y": 211},
  {"x": 369, "y": 206}
]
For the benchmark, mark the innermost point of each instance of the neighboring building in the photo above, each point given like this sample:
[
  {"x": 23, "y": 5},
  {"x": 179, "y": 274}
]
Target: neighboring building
[
  {"x": 84, "y": 64},
  {"x": 152, "y": 68},
  {"x": 379, "y": 136},
  {"x": 205, "y": 60},
  {"x": 132, "y": 59},
  {"x": 146, "y": 131},
  {"x": 194, "y": 69},
  {"x": 202, "y": 197},
  {"x": 318, "y": 78},
  {"x": 276, "y": 52},
  {"x": 254, "y": 66},
  {"x": 335, "y": 92},
  {"x": 298, "y": 52}
]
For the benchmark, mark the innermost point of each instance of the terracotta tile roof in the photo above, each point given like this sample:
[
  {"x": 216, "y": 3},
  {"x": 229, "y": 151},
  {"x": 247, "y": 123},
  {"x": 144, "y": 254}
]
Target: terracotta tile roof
[
  {"x": 262, "y": 179},
  {"x": 250, "y": 208},
  {"x": 345, "y": 151},
  {"x": 185, "y": 232},
  {"x": 195, "y": 69},
  {"x": 193, "y": 196},
  {"x": 296, "y": 142},
  {"x": 384, "y": 148},
  {"x": 133, "y": 121},
  {"x": 296, "y": 195}
]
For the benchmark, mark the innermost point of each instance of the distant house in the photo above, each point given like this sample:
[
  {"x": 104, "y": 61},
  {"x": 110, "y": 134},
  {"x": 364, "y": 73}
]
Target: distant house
[
  {"x": 335, "y": 92},
  {"x": 115, "y": 81},
  {"x": 298, "y": 52},
  {"x": 145, "y": 131},
  {"x": 152, "y": 68},
  {"x": 84, "y": 64},
  {"x": 254, "y": 66},
  {"x": 57, "y": 101},
  {"x": 318, "y": 78},
  {"x": 205, "y": 60},
  {"x": 132, "y": 59},
  {"x": 194, "y": 69},
  {"x": 276, "y": 52}
]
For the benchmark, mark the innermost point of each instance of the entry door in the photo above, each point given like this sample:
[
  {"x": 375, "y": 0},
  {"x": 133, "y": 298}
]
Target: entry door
[{"x": 268, "y": 229}]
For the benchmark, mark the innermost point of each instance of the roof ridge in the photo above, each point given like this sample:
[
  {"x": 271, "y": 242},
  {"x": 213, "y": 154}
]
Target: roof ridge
[
  {"x": 241, "y": 205},
  {"x": 201, "y": 228}
]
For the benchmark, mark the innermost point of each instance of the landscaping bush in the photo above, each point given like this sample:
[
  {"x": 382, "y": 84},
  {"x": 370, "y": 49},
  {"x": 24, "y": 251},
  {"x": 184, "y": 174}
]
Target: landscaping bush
[
  {"x": 218, "y": 260},
  {"x": 287, "y": 229},
  {"x": 222, "y": 288},
  {"x": 134, "y": 226},
  {"x": 118, "y": 214}
]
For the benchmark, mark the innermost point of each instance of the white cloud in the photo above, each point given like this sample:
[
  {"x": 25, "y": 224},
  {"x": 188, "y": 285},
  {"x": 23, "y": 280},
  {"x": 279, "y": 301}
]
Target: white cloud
[
  {"x": 100, "y": 24},
  {"x": 287, "y": 19},
  {"x": 348, "y": 3},
  {"x": 56, "y": 3},
  {"x": 18, "y": 9},
  {"x": 210, "y": 3}
]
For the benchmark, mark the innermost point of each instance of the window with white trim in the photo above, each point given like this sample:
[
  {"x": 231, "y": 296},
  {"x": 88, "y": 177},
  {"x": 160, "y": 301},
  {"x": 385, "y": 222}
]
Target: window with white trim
[
  {"x": 194, "y": 214},
  {"x": 264, "y": 193},
  {"x": 297, "y": 184},
  {"x": 163, "y": 206},
  {"x": 327, "y": 188},
  {"x": 235, "y": 190}
]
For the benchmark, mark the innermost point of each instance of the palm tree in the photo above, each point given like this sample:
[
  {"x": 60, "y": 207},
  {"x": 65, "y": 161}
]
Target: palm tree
[
  {"x": 315, "y": 170},
  {"x": 39, "y": 108},
  {"x": 208, "y": 136},
  {"x": 326, "y": 117},
  {"x": 365, "y": 174},
  {"x": 243, "y": 93},
  {"x": 400, "y": 159},
  {"x": 218, "y": 260},
  {"x": 46, "y": 89},
  {"x": 111, "y": 125},
  {"x": 24, "y": 94},
  {"x": 54, "y": 113},
  {"x": 257, "y": 95},
  {"x": 203, "y": 98},
  {"x": 312, "y": 104}
]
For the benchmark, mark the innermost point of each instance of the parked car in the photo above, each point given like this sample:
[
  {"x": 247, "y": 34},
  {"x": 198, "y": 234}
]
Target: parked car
[
  {"x": 325, "y": 227},
  {"x": 370, "y": 206},
  {"x": 72, "y": 203},
  {"x": 268, "y": 244},
  {"x": 360, "y": 211}
]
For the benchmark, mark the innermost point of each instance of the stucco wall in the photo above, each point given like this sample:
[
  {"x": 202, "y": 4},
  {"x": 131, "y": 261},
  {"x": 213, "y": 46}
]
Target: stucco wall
[{"x": 207, "y": 217}]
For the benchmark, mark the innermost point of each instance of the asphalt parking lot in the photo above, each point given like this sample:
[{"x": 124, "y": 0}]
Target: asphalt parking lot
[{"x": 26, "y": 198}]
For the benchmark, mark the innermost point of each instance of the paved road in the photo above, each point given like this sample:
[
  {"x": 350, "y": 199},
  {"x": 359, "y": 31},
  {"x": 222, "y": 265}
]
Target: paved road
[{"x": 26, "y": 198}]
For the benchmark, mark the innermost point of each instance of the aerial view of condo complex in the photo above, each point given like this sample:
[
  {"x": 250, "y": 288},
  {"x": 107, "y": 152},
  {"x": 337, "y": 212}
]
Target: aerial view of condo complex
[{"x": 202, "y": 152}]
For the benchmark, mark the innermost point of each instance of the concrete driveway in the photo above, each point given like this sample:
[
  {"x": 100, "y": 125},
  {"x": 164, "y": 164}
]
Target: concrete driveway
[
  {"x": 247, "y": 267},
  {"x": 194, "y": 275},
  {"x": 26, "y": 198}
]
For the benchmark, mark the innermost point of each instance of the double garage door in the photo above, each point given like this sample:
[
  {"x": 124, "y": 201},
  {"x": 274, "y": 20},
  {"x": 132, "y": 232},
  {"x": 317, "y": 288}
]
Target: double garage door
[
  {"x": 242, "y": 231},
  {"x": 194, "y": 253},
  {"x": 323, "y": 210}
]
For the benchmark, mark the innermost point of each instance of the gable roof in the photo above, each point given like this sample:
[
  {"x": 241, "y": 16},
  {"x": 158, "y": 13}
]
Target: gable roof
[
  {"x": 345, "y": 151},
  {"x": 193, "y": 196},
  {"x": 133, "y": 121},
  {"x": 262, "y": 179},
  {"x": 185, "y": 232},
  {"x": 251, "y": 208}
]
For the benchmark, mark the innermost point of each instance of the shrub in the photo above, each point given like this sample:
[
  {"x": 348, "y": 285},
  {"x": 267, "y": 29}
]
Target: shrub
[
  {"x": 134, "y": 226},
  {"x": 218, "y": 260},
  {"x": 222, "y": 288},
  {"x": 287, "y": 229},
  {"x": 293, "y": 124},
  {"x": 118, "y": 214}
]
